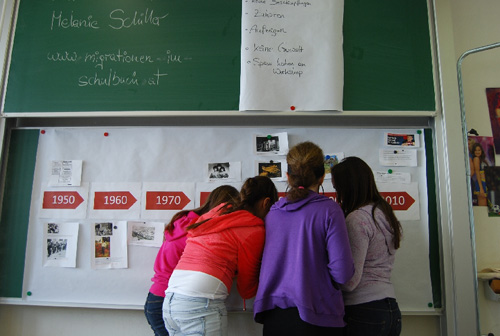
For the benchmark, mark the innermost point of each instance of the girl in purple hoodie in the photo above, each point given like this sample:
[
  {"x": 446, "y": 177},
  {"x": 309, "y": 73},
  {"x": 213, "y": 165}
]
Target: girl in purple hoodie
[
  {"x": 171, "y": 251},
  {"x": 306, "y": 255}
]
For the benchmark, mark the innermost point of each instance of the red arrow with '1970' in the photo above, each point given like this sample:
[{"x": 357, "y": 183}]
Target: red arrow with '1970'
[
  {"x": 113, "y": 200},
  {"x": 61, "y": 200},
  {"x": 166, "y": 200}
]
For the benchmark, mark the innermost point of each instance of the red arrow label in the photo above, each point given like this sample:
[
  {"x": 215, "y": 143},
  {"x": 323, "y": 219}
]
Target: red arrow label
[
  {"x": 61, "y": 200},
  {"x": 399, "y": 200},
  {"x": 204, "y": 196},
  {"x": 332, "y": 195},
  {"x": 113, "y": 200},
  {"x": 166, "y": 200}
]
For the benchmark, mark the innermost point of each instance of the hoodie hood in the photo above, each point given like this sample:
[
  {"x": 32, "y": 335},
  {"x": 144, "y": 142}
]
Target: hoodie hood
[
  {"x": 285, "y": 205},
  {"x": 218, "y": 223},
  {"x": 383, "y": 225},
  {"x": 180, "y": 227}
]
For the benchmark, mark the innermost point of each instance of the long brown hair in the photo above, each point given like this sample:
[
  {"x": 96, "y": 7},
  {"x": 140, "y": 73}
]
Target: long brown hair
[
  {"x": 253, "y": 190},
  {"x": 222, "y": 194},
  {"x": 355, "y": 185},
  {"x": 305, "y": 167}
]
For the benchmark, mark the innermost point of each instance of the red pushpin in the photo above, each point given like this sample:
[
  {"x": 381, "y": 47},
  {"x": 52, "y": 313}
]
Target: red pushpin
[
  {"x": 42, "y": 131},
  {"x": 106, "y": 133},
  {"x": 292, "y": 108}
]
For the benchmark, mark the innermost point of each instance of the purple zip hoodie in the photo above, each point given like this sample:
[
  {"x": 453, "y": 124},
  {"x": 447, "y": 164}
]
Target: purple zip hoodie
[
  {"x": 306, "y": 256},
  {"x": 169, "y": 254}
]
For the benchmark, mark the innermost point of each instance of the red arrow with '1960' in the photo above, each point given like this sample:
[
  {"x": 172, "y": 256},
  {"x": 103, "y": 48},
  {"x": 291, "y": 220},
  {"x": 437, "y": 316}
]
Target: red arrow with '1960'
[{"x": 113, "y": 200}]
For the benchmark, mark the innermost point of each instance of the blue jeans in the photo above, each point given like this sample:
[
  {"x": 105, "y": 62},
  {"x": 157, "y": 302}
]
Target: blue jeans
[
  {"x": 187, "y": 315},
  {"x": 153, "y": 309},
  {"x": 376, "y": 318}
]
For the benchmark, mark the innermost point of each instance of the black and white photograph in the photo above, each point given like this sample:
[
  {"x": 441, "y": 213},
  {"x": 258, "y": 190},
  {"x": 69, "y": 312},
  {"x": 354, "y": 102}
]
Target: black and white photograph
[
  {"x": 56, "y": 248},
  {"x": 219, "y": 171},
  {"x": 141, "y": 232},
  {"x": 60, "y": 242},
  {"x": 145, "y": 233},
  {"x": 268, "y": 144},
  {"x": 104, "y": 229},
  {"x": 52, "y": 228},
  {"x": 271, "y": 144}
]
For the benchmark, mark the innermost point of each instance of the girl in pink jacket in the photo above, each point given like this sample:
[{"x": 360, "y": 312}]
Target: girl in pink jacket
[{"x": 171, "y": 251}]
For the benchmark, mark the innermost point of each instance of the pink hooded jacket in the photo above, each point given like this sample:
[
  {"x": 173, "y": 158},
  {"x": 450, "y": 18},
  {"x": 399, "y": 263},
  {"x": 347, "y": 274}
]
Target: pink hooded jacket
[{"x": 170, "y": 252}]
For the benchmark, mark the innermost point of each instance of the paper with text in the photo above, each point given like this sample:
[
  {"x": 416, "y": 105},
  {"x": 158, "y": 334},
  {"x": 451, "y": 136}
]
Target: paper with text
[{"x": 291, "y": 55}]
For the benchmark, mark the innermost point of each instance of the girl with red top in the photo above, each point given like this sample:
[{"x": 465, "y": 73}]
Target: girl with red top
[
  {"x": 227, "y": 241},
  {"x": 174, "y": 241}
]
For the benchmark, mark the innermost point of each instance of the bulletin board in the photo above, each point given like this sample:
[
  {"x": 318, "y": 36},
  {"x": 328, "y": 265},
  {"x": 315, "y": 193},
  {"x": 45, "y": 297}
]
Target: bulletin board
[{"x": 144, "y": 156}]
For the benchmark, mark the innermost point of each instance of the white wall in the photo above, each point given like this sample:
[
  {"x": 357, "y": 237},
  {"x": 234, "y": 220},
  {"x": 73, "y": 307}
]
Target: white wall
[{"x": 476, "y": 24}]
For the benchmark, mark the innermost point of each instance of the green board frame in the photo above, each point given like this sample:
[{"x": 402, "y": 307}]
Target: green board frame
[
  {"x": 14, "y": 219},
  {"x": 190, "y": 60}
]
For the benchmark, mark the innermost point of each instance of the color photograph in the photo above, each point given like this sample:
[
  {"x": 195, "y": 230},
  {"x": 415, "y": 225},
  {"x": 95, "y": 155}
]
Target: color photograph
[{"x": 481, "y": 155}]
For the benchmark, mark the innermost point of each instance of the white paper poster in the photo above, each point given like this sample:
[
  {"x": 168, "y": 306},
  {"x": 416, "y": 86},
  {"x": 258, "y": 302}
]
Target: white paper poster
[
  {"x": 65, "y": 173},
  {"x": 109, "y": 245},
  {"x": 398, "y": 157},
  {"x": 115, "y": 200},
  {"x": 60, "y": 244},
  {"x": 403, "y": 198},
  {"x": 292, "y": 55},
  {"x": 392, "y": 177},
  {"x": 64, "y": 202}
]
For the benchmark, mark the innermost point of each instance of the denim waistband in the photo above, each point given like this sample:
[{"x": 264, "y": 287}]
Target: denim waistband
[{"x": 387, "y": 303}]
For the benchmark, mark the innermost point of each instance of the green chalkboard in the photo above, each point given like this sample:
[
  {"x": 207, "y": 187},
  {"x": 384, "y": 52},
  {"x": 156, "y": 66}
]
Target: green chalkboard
[
  {"x": 182, "y": 55},
  {"x": 15, "y": 212},
  {"x": 127, "y": 55}
]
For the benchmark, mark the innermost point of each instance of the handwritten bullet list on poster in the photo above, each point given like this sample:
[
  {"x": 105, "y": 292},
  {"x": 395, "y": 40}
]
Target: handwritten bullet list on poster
[
  {"x": 102, "y": 63},
  {"x": 273, "y": 48},
  {"x": 291, "y": 55}
]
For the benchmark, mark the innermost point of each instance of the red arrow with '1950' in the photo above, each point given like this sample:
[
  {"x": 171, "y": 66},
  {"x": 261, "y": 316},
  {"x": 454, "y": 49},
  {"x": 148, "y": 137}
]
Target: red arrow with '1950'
[{"x": 61, "y": 200}]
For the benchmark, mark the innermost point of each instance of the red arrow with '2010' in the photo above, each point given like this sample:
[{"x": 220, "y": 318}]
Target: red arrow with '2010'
[{"x": 399, "y": 200}]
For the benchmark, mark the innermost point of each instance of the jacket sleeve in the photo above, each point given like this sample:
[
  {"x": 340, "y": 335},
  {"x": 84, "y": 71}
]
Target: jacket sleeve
[
  {"x": 359, "y": 241},
  {"x": 249, "y": 260},
  {"x": 340, "y": 262}
]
